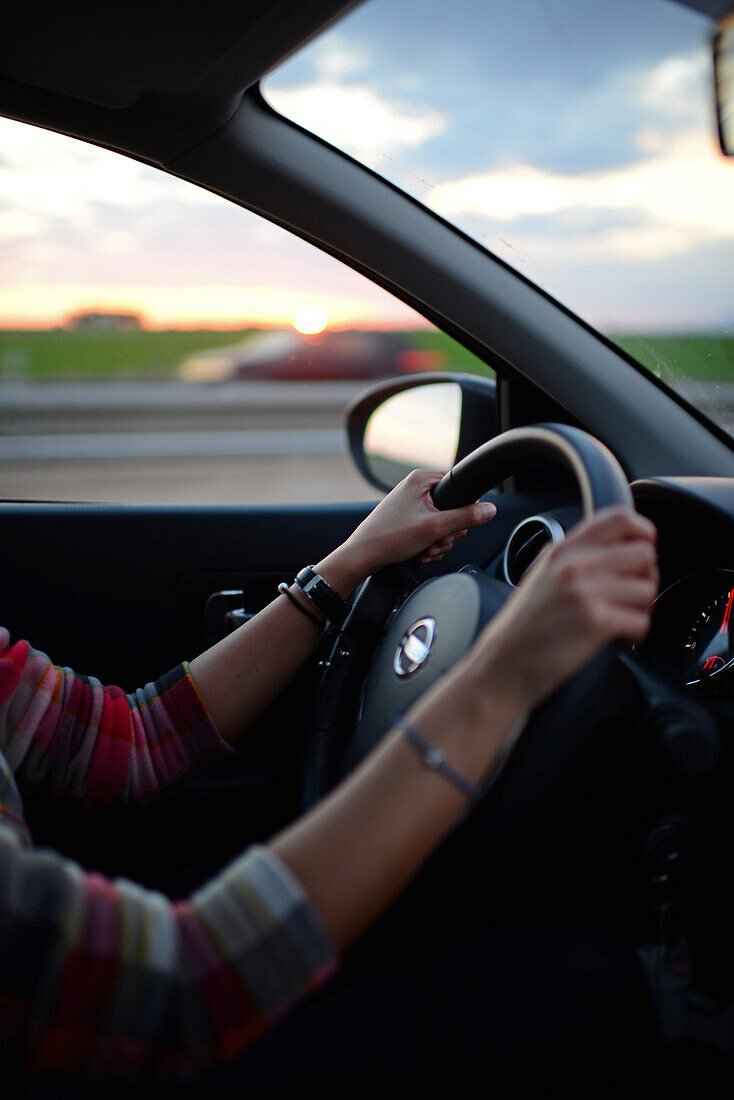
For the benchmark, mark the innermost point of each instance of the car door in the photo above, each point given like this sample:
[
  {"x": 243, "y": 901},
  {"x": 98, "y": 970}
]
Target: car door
[
  {"x": 164, "y": 464},
  {"x": 121, "y": 592},
  {"x": 133, "y": 498}
]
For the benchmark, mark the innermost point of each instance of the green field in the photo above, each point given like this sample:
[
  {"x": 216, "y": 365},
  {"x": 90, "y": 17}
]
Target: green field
[
  {"x": 700, "y": 358},
  {"x": 54, "y": 354},
  {"x": 454, "y": 356},
  {"x": 58, "y": 353}
]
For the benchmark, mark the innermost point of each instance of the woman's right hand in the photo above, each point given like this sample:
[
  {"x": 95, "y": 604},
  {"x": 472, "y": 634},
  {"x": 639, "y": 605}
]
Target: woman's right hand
[
  {"x": 595, "y": 587},
  {"x": 383, "y": 821}
]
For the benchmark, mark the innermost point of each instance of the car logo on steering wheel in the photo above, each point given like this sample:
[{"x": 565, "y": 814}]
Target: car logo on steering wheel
[{"x": 415, "y": 647}]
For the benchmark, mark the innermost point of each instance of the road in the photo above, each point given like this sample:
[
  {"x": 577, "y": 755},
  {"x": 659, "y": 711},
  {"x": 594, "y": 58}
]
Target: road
[
  {"x": 175, "y": 442},
  {"x": 178, "y": 443},
  {"x": 274, "y": 480}
]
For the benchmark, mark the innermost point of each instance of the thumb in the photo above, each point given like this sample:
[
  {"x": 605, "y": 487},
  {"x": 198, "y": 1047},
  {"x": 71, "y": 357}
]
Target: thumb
[{"x": 471, "y": 515}]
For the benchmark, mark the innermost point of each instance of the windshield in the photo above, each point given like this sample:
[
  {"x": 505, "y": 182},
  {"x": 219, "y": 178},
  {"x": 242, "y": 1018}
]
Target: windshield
[{"x": 576, "y": 140}]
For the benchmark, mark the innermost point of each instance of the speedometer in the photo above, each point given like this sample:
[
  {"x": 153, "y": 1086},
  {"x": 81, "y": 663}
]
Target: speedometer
[{"x": 692, "y": 633}]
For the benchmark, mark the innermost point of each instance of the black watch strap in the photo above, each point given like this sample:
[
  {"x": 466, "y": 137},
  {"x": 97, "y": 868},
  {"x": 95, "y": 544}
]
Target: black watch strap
[{"x": 322, "y": 595}]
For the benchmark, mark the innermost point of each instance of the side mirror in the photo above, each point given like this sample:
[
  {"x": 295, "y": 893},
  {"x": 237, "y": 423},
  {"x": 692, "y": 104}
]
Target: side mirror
[
  {"x": 431, "y": 421},
  {"x": 724, "y": 78}
]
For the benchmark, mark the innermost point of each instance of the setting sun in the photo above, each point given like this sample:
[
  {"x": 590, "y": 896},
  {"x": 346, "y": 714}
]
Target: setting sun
[{"x": 310, "y": 320}]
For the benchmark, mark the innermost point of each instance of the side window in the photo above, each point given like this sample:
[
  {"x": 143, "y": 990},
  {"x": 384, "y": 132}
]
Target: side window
[{"x": 159, "y": 344}]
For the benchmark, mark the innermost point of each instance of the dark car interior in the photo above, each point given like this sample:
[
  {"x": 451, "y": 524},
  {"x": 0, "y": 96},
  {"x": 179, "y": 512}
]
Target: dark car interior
[{"x": 636, "y": 828}]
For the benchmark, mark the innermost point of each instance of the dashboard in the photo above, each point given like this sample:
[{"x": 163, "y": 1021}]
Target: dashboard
[{"x": 692, "y": 635}]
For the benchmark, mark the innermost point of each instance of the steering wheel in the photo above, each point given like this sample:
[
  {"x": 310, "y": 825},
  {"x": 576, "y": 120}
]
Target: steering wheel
[{"x": 376, "y": 670}]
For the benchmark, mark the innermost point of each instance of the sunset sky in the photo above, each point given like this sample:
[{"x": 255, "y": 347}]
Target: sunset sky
[
  {"x": 575, "y": 140},
  {"x": 83, "y": 228}
]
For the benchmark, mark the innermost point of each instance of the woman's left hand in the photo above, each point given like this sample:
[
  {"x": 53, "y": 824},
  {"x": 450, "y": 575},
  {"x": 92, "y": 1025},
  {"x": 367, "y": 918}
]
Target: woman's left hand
[
  {"x": 243, "y": 673},
  {"x": 407, "y": 523}
]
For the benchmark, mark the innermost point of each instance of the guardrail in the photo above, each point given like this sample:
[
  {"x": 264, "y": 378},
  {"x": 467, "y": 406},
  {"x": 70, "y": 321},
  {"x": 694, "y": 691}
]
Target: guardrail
[
  {"x": 79, "y": 407},
  {"x": 79, "y": 420}
]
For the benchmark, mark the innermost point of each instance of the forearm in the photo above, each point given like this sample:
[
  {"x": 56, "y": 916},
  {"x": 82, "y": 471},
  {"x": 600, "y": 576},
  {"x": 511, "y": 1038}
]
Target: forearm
[
  {"x": 361, "y": 845},
  {"x": 239, "y": 677}
]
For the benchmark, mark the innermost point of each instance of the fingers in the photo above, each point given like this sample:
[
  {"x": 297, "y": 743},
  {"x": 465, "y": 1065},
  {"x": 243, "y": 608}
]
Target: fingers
[
  {"x": 406, "y": 522},
  {"x": 614, "y": 542},
  {"x": 451, "y": 525},
  {"x": 593, "y": 571},
  {"x": 619, "y": 608},
  {"x": 612, "y": 525},
  {"x": 437, "y": 550},
  {"x": 451, "y": 520},
  {"x": 633, "y": 592},
  {"x": 627, "y": 625},
  {"x": 472, "y": 515},
  {"x": 634, "y": 558},
  {"x": 608, "y": 587}
]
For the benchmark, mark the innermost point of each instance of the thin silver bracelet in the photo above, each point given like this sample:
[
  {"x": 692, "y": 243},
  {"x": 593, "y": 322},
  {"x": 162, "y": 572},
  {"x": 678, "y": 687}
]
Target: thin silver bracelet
[{"x": 435, "y": 759}]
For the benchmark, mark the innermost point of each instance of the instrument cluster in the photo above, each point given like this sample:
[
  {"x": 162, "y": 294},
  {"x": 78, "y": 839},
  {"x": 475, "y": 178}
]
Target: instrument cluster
[{"x": 692, "y": 633}]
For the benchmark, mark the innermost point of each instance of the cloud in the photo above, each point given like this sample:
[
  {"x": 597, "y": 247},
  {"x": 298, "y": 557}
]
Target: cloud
[
  {"x": 82, "y": 228},
  {"x": 47, "y": 174},
  {"x": 674, "y": 200},
  {"x": 17, "y": 224},
  {"x": 333, "y": 57},
  {"x": 673, "y": 88},
  {"x": 361, "y": 120}
]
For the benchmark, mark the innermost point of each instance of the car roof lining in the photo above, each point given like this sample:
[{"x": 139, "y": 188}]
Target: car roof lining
[
  {"x": 110, "y": 59},
  {"x": 114, "y": 75},
  {"x": 154, "y": 82}
]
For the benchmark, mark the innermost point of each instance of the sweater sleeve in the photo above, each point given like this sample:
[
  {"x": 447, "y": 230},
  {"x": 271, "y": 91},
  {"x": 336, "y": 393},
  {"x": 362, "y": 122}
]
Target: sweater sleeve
[
  {"x": 94, "y": 742},
  {"x": 104, "y": 978}
]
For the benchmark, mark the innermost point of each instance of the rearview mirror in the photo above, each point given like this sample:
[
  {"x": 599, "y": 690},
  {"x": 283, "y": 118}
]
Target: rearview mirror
[
  {"x": 724, "y": 78},
  {"x": 429, "y": 422}
]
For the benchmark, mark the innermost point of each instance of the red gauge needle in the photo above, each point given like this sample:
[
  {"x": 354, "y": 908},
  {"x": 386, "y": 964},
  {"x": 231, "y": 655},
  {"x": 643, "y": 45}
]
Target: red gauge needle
[{"x": 727, "y": 613}]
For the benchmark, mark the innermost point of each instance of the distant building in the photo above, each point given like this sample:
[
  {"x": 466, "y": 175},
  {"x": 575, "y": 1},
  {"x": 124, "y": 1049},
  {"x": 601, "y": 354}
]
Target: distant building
[{"x": 103, "y": 321}]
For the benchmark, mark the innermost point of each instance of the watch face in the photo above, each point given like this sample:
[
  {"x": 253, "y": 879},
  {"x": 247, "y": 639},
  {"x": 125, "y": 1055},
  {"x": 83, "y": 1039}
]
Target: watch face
[
  {"x": 318, "y": 587},
  {"x": 328, "y": 602}
]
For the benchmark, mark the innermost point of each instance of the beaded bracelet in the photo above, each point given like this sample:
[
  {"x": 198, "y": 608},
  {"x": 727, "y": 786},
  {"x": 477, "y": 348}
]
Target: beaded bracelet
[{"x": 435, "y": 759}]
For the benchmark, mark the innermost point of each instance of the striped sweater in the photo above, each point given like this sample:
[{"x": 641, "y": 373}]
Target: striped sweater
[{"x": 106, "y": 977}]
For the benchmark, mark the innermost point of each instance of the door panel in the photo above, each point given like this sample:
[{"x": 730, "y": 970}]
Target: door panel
[{"x": 119, "y": 592}]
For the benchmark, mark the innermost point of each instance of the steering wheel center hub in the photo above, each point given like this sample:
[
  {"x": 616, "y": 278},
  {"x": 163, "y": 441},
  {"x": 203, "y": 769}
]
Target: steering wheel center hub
[
  {"x": 419, "y": 647},
  {"x": 415, "y": 647}
]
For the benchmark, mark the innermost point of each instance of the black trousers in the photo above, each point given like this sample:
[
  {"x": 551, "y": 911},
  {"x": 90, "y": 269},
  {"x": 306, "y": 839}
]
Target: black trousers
[{"x": 520, "y": 1010}]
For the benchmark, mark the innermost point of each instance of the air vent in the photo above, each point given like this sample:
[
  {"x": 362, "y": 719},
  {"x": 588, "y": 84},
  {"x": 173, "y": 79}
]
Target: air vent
[{"x": 526, "y": 542}]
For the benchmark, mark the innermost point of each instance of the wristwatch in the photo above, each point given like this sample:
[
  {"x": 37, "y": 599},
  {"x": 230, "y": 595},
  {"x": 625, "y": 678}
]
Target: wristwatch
[{"x": 322, "y": 595}]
